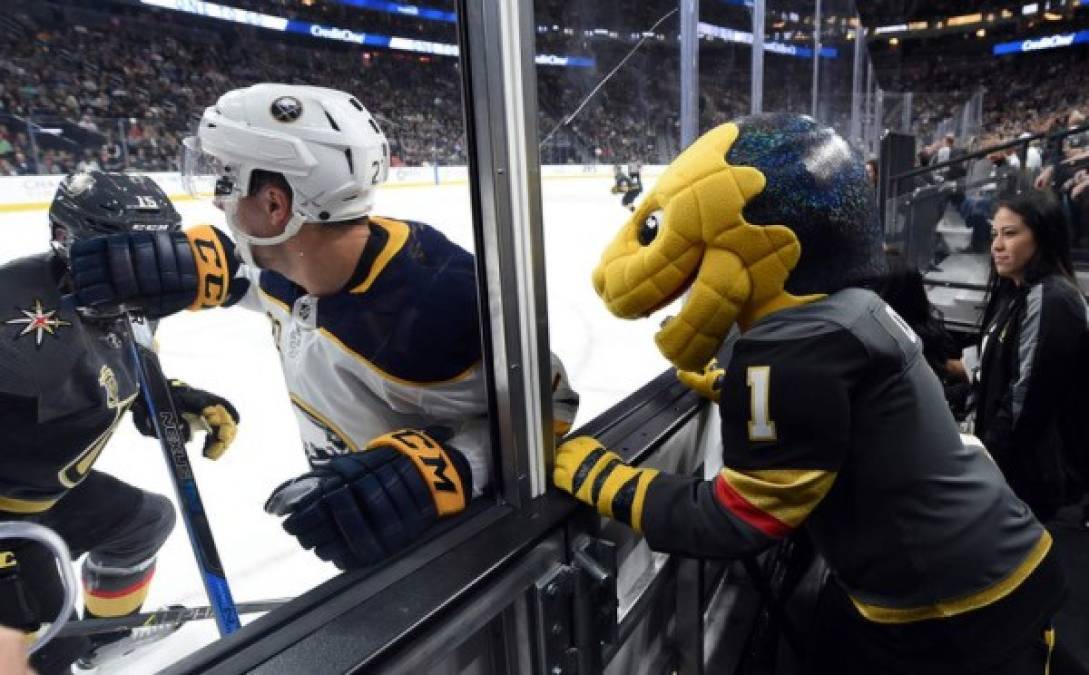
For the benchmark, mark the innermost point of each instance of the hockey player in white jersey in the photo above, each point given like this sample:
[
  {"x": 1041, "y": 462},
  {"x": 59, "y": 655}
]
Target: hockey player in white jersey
[{"x": 375, "y": 319}]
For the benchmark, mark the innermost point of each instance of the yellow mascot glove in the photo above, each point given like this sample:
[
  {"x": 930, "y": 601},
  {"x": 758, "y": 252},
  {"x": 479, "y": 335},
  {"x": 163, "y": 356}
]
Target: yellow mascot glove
[
  {"x": 707, "y": 382},
  {"x": 599, "y": 478}
]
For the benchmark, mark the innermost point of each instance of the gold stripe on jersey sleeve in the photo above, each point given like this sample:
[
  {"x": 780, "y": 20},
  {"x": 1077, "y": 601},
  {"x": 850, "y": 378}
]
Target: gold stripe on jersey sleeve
[
  {"x": 274, "y": 300},
  {"x": 15, "y": 505},
  {"x": 390, "y": 376},
  {"x": 367, "y": 362},
  {"x": 946, "y": 608},
  {"x": 328, "y": 423},
  {"x": 73, "y": 473},
  {"x": 788, "y": 495},
  {"x": 398, "y": 235}
]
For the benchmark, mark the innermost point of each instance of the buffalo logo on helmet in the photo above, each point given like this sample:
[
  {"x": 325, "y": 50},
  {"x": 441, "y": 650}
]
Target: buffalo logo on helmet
[{"x": 286, "y": 109}]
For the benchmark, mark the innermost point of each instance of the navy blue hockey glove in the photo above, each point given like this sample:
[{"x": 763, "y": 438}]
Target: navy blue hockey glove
[
  {"x": 200, "y": 411},
  {"x": 362, "y": 507},
  {"x": 157, "y": 273}
]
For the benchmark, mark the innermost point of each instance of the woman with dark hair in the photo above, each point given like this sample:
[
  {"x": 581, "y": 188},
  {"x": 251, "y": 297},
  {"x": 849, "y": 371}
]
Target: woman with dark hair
[{"x": 1032, "y": 354}]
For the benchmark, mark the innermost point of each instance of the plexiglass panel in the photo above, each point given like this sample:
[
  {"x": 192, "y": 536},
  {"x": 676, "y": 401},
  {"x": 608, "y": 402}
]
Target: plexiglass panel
[
  {"x": 609, "y": 94},
  {"x": 321, "y": 368}
]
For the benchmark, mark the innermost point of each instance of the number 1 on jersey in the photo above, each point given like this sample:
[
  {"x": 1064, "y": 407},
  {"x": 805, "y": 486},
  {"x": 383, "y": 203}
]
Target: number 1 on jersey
[{"x": 760, "y": 427}]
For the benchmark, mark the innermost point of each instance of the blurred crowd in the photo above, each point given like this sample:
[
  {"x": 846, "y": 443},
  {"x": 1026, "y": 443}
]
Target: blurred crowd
[
  {"x": 84, "y": 85},
  {"x": 125, "y": 89},
  {"x": 1025, "y": 93}
]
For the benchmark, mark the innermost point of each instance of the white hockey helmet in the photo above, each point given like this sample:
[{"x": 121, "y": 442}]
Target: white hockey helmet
[{"x": 323, "y": 141}]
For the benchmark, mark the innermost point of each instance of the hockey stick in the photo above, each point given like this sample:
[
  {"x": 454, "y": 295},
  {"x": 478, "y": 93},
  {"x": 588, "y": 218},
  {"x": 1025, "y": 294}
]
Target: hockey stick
[
  {"x": 170, "y": 615},
  {"x": 164, "y": 416},
  {"x": 567, "y": 119}
]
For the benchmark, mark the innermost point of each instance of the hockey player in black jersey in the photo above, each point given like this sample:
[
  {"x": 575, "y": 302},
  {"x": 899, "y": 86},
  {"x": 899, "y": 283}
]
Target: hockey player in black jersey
[
  {"x": 629, "y": 184},
  {"x": 66, "y": 382},
  {"x": 832, "y": 421}
]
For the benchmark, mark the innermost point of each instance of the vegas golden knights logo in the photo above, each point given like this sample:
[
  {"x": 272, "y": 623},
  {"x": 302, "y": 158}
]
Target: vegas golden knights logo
[
  {"x": 77, "y": 469},
  {"x": 108, "y": 381}
]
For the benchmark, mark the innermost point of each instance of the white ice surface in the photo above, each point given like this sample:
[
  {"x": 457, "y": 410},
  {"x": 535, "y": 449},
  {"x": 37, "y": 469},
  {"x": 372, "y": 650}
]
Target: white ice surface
[{"x": 231, "y": 352}]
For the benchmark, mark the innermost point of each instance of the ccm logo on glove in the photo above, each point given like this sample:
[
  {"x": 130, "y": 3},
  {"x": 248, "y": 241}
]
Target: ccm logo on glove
[
  {"x": 213, "y": 271},
  {"x": 360, "y": 507},
  {"x": 431, "y": 461}
]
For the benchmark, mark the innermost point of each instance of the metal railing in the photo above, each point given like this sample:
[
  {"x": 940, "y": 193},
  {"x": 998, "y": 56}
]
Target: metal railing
[
  {"x": 52, "y": 143},
  {"x": 973, "y": 187}
]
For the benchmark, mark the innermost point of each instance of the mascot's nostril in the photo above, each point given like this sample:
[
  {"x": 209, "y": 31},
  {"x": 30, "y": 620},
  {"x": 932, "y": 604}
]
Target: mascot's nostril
[{"x": 649, "y": 229}]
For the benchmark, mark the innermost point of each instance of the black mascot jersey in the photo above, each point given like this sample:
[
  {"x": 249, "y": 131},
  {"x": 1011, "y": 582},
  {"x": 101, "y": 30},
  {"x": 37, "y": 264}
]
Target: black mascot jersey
[
  {"x": 832, "y": 418},
  {"x": 64, "y": 386}
]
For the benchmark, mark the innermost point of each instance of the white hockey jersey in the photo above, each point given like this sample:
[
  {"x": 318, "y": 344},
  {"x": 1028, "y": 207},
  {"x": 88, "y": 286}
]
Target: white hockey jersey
[{"x": 399, "y": 347}]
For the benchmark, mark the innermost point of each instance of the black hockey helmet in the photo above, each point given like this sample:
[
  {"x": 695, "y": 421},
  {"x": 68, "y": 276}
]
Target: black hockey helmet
[{"x": 95, "y": 203}]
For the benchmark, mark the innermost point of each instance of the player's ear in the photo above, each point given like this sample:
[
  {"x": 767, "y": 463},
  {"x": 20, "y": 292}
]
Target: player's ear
[{"x": 277, "y": 204}]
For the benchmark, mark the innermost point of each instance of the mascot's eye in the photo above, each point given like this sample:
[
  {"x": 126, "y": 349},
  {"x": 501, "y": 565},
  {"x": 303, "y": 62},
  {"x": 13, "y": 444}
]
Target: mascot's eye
[{"x": 649, "y": 229}]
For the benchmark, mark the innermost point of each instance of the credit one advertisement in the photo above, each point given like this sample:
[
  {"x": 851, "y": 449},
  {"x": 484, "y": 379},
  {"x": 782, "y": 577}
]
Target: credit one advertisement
[
  {"x": 212, "y": 10},
  {"x": 1056, "y": 41}
]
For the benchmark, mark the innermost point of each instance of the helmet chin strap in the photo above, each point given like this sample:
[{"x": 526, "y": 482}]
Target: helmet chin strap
[{"x": 245, "y": 242}]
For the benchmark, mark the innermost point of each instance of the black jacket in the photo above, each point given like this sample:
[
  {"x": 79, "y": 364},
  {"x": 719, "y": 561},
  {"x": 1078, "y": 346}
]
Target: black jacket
[{"x": 1030, "y": 412}]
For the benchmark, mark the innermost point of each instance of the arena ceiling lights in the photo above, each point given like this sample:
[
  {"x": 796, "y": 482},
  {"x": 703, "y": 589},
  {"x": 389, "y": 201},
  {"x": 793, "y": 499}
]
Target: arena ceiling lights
[
  {"x": 960, "y": 21},
  {"x": 1051, "y": 10},
  {"x": 211, "y": 10},
  {"x": 742, "y": 37}
]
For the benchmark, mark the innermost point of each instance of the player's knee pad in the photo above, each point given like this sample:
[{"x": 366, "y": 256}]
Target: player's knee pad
[
  {"x": 153, "y": 523},
  {"x": 160, "y": 517},
  {"x": 141, "y": 535}
]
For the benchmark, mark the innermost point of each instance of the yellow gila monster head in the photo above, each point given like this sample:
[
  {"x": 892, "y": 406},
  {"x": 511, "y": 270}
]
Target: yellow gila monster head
[
  {"x": 689, "y": 232},
  {"x": 759, "y": 214}
]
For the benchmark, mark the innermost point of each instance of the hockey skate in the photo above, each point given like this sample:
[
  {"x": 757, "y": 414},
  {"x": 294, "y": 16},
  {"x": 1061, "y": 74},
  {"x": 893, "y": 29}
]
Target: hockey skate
[{"x": 109, "y": 647}]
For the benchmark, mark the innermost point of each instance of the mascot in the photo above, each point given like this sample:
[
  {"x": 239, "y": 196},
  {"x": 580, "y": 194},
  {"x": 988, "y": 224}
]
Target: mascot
[{"x": 832, "y": 420}]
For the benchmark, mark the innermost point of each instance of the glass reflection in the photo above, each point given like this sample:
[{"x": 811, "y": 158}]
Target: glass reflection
[{"x": 607, "y": 126}]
